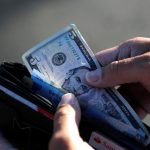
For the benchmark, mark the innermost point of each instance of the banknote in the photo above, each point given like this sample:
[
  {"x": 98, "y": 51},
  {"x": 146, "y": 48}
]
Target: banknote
[{"x": 63, "y": 60}]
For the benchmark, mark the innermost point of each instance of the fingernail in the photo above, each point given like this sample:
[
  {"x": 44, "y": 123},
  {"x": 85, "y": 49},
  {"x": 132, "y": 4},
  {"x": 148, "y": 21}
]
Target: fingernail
[
  {"x": 93, "y": 76},
  {"x": 68, "y": 98}
]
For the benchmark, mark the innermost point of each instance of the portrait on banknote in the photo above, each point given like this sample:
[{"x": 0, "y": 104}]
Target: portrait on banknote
[{"x": 75, "y": 83}]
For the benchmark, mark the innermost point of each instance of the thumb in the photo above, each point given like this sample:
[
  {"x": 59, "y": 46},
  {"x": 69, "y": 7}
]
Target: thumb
[
  {"x": 118, "y": 72},
  {"x": 67, "y": 118},
  {"x": 66, "y": 134}
]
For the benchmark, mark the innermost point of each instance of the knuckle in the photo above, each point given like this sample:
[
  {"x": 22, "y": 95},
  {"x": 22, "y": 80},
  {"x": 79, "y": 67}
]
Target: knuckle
[
  {"x": 146, "y": 63},
  {"x": 146, "y": 58},
  {"x": 136, "y": 43},
  {"x": 114, "y": 68},
  {"x": 144, "y": 67},
  {"x": 135, "y": 40},
  {"x": 64, "y": 110},
  {"x": 130, "y": 43},
  {"x": 132, "y": 62}
]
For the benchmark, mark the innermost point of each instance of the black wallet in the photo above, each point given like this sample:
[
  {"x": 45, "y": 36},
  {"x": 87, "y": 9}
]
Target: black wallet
[{"x": 27, "y": 117}]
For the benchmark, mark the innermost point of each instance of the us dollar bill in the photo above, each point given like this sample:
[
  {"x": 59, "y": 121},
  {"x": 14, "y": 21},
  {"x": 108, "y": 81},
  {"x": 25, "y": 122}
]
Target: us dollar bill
[{"x": 64, "y": 59}]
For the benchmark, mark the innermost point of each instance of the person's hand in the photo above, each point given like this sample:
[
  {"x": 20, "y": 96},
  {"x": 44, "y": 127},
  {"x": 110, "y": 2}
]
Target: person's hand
[
  {"x": 66, "y": 135},
  {"x": 128, "y": 65}
]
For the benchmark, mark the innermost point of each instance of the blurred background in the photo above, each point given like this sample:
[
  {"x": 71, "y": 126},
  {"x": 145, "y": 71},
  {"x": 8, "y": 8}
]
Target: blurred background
[{"x": 103, "y": 23}]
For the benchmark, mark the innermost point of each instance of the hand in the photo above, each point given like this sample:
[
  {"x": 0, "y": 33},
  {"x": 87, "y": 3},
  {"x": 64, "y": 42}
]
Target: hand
[
  {"x": 127, "y": 65},
  {"x": 66, "y": 135}
]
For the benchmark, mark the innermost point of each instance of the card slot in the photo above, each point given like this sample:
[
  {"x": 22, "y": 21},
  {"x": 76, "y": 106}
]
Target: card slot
[
  {"x": 26, "y": 94},
  {"x": 27, "y": 113},
  {"x": 19, "y": 83},
  {"x": 14, "y": 80}
]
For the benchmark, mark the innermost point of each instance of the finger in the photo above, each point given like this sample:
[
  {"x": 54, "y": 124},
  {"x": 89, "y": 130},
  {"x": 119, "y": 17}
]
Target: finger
[
  {"x": 67, "y": 116},
  {"x": 118, "y": 72},
  {"x": 130, "y": 48},
  {"x": 108, "y": 55}
]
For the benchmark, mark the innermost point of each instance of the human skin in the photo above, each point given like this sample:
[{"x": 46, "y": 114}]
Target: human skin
[
  {"x": 66, "y": 134},
  {"x": 127, "y": 65}
]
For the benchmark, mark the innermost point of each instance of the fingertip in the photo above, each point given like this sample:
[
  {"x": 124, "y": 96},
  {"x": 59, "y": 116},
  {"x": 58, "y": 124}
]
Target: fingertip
[
  {"x": 67, "y": 99},
  {"x": 93, "y": 77},
  {"x": 70, "y": 99}
]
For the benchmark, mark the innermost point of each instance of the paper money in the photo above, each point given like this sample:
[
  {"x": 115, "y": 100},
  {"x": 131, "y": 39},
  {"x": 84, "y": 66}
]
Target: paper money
[{"x": 64, "y": 59}]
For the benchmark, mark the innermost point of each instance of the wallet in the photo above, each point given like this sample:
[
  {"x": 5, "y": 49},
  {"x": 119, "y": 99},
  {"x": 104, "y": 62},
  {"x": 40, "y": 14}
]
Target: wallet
[{"x": 26, "y": 117}]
